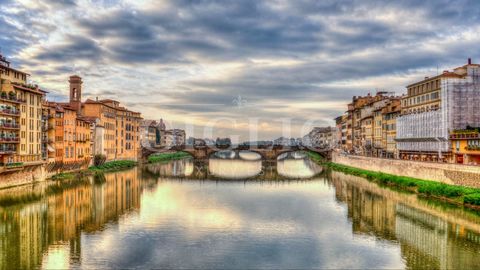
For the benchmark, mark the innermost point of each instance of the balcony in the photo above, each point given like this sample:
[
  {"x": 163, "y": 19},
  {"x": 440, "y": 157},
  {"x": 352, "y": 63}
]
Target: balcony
[
  {"x": 47, "y": 117},
  {"x": 9, "y": 126},
  {"x": 6, "y": 149},
  {"x": 9, "y": 140},
  {"x": 48, "y": 127},
  {"x": 12, "y": 99},
  {"x": 10, "y": 112}
]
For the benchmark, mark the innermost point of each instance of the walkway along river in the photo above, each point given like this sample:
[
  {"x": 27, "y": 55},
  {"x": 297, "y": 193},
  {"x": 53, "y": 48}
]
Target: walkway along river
[{"x": 232, "y": 213}]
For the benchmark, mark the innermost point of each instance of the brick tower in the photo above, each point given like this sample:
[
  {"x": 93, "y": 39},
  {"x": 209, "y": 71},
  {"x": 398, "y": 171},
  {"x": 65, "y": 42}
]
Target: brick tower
[{"x": 76, "y": 93}]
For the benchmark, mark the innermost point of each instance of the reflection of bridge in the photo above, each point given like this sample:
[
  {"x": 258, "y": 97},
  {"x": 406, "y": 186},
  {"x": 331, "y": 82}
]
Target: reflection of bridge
[{"x": 267, "y": 153}]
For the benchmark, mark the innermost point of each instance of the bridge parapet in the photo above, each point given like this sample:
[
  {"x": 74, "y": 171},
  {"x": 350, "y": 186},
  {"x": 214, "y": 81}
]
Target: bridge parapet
[{"x": 269, "y": 154}]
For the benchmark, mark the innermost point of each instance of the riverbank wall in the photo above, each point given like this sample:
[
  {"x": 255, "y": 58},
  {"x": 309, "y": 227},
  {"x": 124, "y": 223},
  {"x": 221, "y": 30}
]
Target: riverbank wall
[
  {"x": 454, "y": 174},
  {"x": 27, "y": 175}
]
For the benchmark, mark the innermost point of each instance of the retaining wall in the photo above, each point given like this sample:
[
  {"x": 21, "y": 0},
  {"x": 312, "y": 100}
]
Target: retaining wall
[
  {"x": 457, "y": 174},
  {"x": 28, "y": 175}
]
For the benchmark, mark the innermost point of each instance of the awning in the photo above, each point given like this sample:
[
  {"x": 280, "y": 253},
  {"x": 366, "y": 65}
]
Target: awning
[{"x": 50, "y": 148}]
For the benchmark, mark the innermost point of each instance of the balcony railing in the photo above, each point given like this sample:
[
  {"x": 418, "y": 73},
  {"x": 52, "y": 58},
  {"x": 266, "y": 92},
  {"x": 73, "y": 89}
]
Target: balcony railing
[
  {"x": 9, "y": 140},
  {"x": 7, "y": 149},
  {"x": 9, "y": 112},
  {"x": 9, "y": 126},
  {"x": 466, "y": 135},
  {"x": 12, "y": 99}
]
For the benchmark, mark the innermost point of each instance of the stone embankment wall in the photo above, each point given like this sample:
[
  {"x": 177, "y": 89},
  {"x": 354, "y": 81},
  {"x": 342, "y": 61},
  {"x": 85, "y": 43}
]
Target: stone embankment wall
[
  {"x": 27, "y": 176},
  {"x": 457, "y": 174}
]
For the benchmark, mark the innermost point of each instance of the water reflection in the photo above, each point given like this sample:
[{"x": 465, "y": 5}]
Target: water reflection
[
  {"x": 135, "y": 219},
  {"x": 241, "y": 165},
  {"x": 175, "y": 168},
  {"x": 234, "y": 169},
  {"x": 29, "y": 230},
  {"x": 298, "y": 168}
]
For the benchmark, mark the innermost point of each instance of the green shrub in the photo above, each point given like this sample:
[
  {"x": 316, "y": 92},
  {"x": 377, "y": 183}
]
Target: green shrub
[
  {"x": 473, "y": 198},
  {"x": 114, "y": 165},
  {"x": 99, "y": 159}
]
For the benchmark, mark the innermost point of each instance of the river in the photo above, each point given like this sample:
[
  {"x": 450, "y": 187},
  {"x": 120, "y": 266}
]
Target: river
[{"x": 232, "y": 213}]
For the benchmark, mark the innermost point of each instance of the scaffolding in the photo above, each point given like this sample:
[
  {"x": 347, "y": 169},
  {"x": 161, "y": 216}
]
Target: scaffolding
[{"x": 428, "y": 131}]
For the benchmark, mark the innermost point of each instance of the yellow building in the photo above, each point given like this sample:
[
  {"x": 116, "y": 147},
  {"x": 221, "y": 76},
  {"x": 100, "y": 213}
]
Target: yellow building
[
  {"x": 367, "y": 135},
  {"x": 377, "y": 132},
  {"x": 121, "y": 138},
  {"x": 466, "y": 146},
  {"x": 389, "y": 130},
  {"x": 20, "y": 119}
]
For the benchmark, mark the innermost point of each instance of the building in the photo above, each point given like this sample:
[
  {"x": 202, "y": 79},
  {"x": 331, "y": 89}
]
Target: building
[
  {"x": 360, "y": 111},
  {"x": 466, "y": 146},
  {"x": 20, "y": 119},
  {"x": 435, "y": 106},
  {"x": 174, "y": 137},
  {"x": 362, "y": 128},
  {"x": 161, "y": 128},
  {"x": 341, "y": 131},
  {"x": 321, "y": 137},
  {"x": 116, "y": 129},
  {"x": 150, "y": 133},
  {"x": 389, "y": 129},
  {"x": 68, "y": 138}
]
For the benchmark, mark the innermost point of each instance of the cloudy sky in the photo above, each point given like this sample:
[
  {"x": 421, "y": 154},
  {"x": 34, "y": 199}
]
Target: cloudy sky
[{"x": 243, "y": 67}]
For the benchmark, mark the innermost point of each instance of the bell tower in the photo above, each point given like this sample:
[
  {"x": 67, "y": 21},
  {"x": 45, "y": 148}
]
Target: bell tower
[{"x": 76, "y": 92}]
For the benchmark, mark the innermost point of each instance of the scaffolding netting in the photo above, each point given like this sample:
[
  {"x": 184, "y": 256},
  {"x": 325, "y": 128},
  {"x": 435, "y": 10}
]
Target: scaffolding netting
[{"x": 460, "y": 108}]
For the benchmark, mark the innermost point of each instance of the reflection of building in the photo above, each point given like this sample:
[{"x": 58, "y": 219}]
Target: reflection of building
[
  {"x": 29, "y": 229},
  {"x": 426, "y": 241},
  {"x": 181, "y": 167}
]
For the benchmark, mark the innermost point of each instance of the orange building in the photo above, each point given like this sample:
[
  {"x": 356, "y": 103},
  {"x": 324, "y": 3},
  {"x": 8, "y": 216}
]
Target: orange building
[
  {"x": 121, "y": 138},
  {"x": 68, "y": 137},
  {"x": 120, "y": 128}
]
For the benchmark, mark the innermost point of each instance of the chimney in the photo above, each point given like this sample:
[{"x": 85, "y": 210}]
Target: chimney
[{"x": 469, "y": 61}]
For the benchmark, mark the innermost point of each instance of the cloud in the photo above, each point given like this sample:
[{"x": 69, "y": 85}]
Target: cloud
[{"x": 180, "y": 57}]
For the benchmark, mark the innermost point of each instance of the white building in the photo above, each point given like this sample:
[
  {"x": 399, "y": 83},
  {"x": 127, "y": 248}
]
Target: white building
[{"x": 436, "y": 106}]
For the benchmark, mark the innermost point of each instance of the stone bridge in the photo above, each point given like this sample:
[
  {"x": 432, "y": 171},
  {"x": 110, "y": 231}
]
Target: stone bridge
[{"x": 204, "y": 152}]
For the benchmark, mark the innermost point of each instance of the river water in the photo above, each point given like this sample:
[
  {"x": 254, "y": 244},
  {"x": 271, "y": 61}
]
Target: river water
[{"x": 232, "y": 213}]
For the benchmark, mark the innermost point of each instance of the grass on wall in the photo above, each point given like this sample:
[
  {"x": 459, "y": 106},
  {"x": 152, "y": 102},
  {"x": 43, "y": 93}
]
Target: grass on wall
[
  {"x": 167, "y": 156},
  {"x": 453, "y": 193}
]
